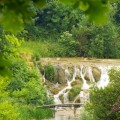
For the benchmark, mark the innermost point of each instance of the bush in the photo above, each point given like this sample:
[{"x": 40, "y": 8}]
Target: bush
[
  {"x": 8, "y": 111},
  {"x": 102, "y": 100},
  {"x": 84, "y": 115},
  {"x": 24, "y": 80},
  {"x": 49, "y": 72},
  {"x": 39, "y": 114},
  {"x": 31, "y": 112},
  {"x": 26, "y": 90}
]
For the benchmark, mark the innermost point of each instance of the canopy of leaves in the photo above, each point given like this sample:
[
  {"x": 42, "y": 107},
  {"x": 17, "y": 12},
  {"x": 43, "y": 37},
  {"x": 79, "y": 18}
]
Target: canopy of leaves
[{"x": 14, "y": 13}]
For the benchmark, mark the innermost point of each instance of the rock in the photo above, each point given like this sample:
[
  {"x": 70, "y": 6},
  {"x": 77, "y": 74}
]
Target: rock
[
  {"x": 71, "y": 71},
  {"x": 61, "y": 97},
  {"x": 74, "y": 92},
  {"x": 87, "y": 76},
  {"x": 76, "y": 82},
  {"x": 59, "y": 74},
  {"x": 54, "y": 90},
  {"x": 96, "y": 73}
]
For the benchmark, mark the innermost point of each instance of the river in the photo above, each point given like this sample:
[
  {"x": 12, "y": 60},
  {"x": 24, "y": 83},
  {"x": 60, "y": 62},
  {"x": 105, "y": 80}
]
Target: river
[
  {"x": 70, "y": 73},
  {"x": 66, "y": 114}
]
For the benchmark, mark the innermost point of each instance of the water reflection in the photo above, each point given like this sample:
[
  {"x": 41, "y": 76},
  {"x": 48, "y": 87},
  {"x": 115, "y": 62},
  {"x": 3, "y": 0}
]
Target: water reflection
[{"x": 67, "y": 114}]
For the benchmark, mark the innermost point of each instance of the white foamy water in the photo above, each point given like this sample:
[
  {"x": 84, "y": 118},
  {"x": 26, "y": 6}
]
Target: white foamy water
[
  {"x": 104, "y": 79},
  {"x": 80, "y": 71},
  {"x": 65, "y": 90}
]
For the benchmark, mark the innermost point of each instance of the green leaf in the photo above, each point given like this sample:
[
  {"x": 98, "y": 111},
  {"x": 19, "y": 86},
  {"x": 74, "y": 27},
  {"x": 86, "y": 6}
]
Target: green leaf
[
  {"x": 98, "y": 12},
  {"x": 12, "y": 22},
  {"x": 40, "y": 3},
  {"x": 69, "y": 2},
  {"x": 4, "y": 67},
  {"x": 84, "y": 5}
]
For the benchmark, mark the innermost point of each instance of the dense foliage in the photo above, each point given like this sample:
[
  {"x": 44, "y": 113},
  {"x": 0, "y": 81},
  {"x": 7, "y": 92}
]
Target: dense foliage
[
  {"x": 99, "y": 41},
  {"x": 57, "y": 31},
  {"x": 102, "y": 100},
  {"x": 70, "y": 34},
  {"x": 49, "y": 72},
  {"x": 21, "y": 85},
  {"x": 20, "y": 11}
]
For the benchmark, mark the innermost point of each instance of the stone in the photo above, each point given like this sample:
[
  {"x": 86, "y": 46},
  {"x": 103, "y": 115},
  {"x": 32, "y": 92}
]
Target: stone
[
  {"x": 96, "y": 73},
  {"x": 59, "y": 74},
  {"x": 61, "y": 97},
  {"x": 54, "y": 90},
  {"x": 74, "y": 83}
]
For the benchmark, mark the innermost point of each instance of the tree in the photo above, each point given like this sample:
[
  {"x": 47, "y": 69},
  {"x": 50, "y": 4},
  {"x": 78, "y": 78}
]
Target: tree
[
  {"x": 117, "y": 13},
  {"x": 54, "y": 19},
  {"x": 57, "y": 18},
  {"x": 97, "y": 41},
  {"x": 15, "y": 12}
]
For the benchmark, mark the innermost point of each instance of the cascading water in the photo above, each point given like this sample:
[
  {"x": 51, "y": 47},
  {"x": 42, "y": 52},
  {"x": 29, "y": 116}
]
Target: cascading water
[
  {"x": 82, "y": 71},
  {"x": 92, "y": 79},
  {"x": 43, "y": 77},
  {"x": 104, "y": 80},
  {"x": 65, "y": 90},
  {"x": 65, "y": 97},
  {"x": 80, "y": 74}
]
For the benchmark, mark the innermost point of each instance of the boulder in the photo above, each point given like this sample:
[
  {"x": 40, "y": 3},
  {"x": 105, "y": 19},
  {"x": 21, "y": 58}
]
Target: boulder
[
  {"x": 96, "y": 73},
  {"x": 59, "y": 74},
  {"x": 76, "y": 82},
  {"x": 54, "y": 90}
]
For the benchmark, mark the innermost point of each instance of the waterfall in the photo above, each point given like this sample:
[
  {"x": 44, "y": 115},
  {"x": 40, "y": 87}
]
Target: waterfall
[
  {"x": 43, "y": 77},
  {"x": 86, "y": 75},
  {"x": 68, "y": 87},
  {"x": 57, "y": 99},
  {"x": 82, "y": 73},
  {"x": 104, "y": 79},
  {"x": 90, "y": 74},
  {"x": 65, "y": 96},
  {"x": 67, "y": 74},
  {"x": 84, "y": 93}
]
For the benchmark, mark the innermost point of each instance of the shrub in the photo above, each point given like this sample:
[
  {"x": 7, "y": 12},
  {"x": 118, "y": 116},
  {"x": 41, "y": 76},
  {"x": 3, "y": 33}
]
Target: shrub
[
  {"x": 85, "y": 115},
  {"x": 24, "y": 80},
  {"x": 31, "y": 112},
  {"x": 49, "y": 72},
  {"x": 8, "y": 111},
  {"x": 39, "y": 114},
  {"x": 102, "y": 100},
  {"x": 27, "y": 91}
]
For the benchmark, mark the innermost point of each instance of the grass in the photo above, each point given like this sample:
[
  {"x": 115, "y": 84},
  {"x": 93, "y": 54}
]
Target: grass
[{"x": 41, "y": 48}]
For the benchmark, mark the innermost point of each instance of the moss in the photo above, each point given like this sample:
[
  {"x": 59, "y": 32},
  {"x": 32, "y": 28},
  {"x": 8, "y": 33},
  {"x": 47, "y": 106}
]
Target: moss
[
  {"x": 74, "y": 92},
  {"x": 74, "y": 83},
  {"x": 55, "y": 91},
  {"x": 49, "y": 72}
]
